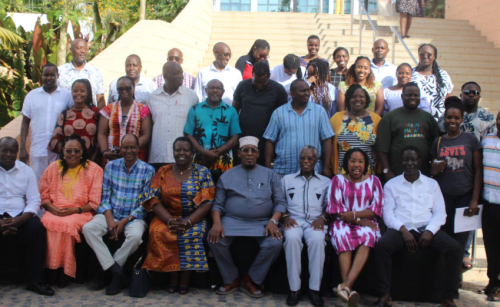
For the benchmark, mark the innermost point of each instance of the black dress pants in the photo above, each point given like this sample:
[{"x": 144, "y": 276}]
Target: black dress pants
[
  {"x": 392, "y": 241},
  {"x": 34, "y": 235},
  {"x": 452, "y": 202},
  {"x": 491, "y": 237}
]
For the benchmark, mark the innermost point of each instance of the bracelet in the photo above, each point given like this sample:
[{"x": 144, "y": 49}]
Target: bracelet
[
  {"x": 104, "y": 152},
  {"x": 354, "y": 215},
  {"x": 80, "y": 211},
  {"x": 190, "y": 223},
  {"x": 324, "y": 218},
  {"x": 168, "y": 222}
]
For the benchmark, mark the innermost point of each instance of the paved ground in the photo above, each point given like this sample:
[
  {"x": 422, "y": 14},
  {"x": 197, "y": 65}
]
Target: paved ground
[{"x": 79, "y": 295}]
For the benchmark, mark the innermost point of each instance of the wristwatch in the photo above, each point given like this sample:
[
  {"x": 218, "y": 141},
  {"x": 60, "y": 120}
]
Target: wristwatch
[
  {"x": 129, "y": 219},
  {"x": 274, "y": 221},
  {"x": 385, "y": 171}
]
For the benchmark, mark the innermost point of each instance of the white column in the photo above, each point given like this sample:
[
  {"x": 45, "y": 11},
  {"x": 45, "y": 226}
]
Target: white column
[
  {"x": 216, "y": 5},
  {"x": 255, "y": 4},
  {"x": 331, "y": 6}
]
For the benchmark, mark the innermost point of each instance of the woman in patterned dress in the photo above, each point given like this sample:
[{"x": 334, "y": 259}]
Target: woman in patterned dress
[
  {"x": 432, "y": 80},
  {"x": 361, "y": 73},
  {"x": 81, "y": 119},
  {"x": 123, "y": 117},
  {"x": 354, "y": 200},
  {"x": 354, "y": 128},
  {"x": 180, "y": 195},
  {"x": 406, "y": 9}
]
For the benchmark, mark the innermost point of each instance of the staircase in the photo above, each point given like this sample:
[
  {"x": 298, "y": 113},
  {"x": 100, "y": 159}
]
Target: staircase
[{"x": 462, "y": 51}]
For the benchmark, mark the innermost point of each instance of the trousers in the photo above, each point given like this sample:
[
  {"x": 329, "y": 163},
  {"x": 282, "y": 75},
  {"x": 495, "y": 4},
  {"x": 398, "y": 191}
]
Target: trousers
[
  {"x": 491, "y": 229},
  {"x": 315, "y": 240},
  {"x": 269, "y": 251},
  {"x": 98, "y": 227},
  {"x": 392, "y": 241}
]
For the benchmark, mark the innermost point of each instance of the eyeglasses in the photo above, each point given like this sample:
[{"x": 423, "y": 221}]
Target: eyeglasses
[
  {"x": 426, "y": 55},
  {"x": 76, "y": 151},
  {"x": 263, "y": 56},
  {"x": 309, "y": 159},
  {"x": 174, "y": 58},
  {"x": 250, "y": 149},
  {"x": 468, "y": 92},
  {"x": 124, "y": 89}
]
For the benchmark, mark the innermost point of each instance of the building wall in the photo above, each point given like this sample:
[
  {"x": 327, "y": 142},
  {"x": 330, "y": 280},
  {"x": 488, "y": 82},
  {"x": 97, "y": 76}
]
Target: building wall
[{"x": 483, "y": 14}]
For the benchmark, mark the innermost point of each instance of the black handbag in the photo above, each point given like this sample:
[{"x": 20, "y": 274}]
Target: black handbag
[{"x": 139, "y": 283}]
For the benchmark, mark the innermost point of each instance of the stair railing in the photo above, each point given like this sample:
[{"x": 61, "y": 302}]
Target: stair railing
[
  {"x": 395, "y": 34},
  {"x": 361, "y": 12}
]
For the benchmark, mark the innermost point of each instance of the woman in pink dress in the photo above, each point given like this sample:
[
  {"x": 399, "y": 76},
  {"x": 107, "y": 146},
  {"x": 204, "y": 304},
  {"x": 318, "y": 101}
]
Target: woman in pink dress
[{"x": 355, "y": 199}]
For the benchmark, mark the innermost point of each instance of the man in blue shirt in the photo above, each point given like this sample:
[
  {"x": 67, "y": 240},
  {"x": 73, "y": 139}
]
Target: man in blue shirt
[
  {"x": 214, "y": 129},
  {"x": 295, "y": 125},
  {"x": 120, "y": 211}
]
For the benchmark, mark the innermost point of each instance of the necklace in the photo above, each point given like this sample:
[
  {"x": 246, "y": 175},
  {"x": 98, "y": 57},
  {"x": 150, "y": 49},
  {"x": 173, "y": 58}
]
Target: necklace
[
  {"x": 349, "y": 177},
  {"x": 189, "y": 168}
]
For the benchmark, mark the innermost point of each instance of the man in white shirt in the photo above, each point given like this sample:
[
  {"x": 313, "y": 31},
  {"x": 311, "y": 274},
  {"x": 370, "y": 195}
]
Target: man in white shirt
[
  {"x": 306, "y": 198},
  {"x": 414, "y": 212},
  {"x": 78, "y": 68},
  {"x": 143, "y": 86},
  {"x": 288, "y": 72},
  {"x": 384, "y": 71},
  {"x": 41, "y": 109},
  {"x": 19, "y": 203},
  {"x": 220, "y": 70},
  {"x": 169, "y": 106}
]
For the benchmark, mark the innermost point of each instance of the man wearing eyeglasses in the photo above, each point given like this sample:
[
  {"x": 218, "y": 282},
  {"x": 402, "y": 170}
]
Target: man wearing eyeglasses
[
  {"x": 295, "y": 125},
  {"x": 249, "y": 202},
  {"x": 175, "y": 55},
  {"x": 220, "y": 70},
  {"x": 214, "y": 130},
  {"x": 477, "y": 120},
  {"x": 306, "y": 198},
  {"x": 143, "y": 86}
]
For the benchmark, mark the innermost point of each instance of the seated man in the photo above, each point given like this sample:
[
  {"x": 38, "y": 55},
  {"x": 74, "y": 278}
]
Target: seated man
[
  {"x": 248, "y": 203},
  {"x": 414, "y": 211},
  {"x": 19, "y": 204},
  {"x": 305, "y": 193},
  {"x": 120, "y": 211}
]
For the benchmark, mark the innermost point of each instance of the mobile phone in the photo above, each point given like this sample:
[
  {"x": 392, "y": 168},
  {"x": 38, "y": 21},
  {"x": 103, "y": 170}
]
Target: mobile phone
[
  {"x": 466, "y": 211},
  {"x": 437, "y": 161}
]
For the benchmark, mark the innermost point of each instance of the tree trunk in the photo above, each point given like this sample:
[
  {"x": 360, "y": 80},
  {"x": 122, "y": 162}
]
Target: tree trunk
[
  {"x": 142, "y": 15},
  {"x": 63, "y": 40}
]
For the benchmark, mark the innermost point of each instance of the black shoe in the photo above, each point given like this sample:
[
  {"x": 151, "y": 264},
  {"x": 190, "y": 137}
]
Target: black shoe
[
  {"x": 293, "y": 298},
  {"x": 488, "y": 290},
  {"x": 40, "y": 288},
  {"x": 316, "y": 299},
  {"x": 97, "y": 284},
  {"x": 115, "y": 286}
]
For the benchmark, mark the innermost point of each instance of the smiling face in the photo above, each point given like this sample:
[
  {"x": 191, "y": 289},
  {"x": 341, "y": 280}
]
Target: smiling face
[
  {"x": 72, "y": 153},
  {"x": 341, "y": 59},
  {"x": 49, "y": 77},
  {"x": 313, "y": 47},
  {"x": 290, "y": 72},
  {"x": 411, "y": 162},
  {"x": 183, "y": 153},
  {"x": 222, "y": 55},
  {"x": 125, "y": 89},
  {"x": 300, "y": 92},
  {"x": 260, "y": 54},
  {"x": 79, "y": 51},
  {"x": 426, "y": 56},
  {"x": 214, "y": 90},
  {"x": 172, "y": 72},
  {"x": 307, "y": 160},
  {"x": 129, "y": 149},
  {"x": 8, "y": 152},
  {"x": 404, "y": 75},
  {"x": 453, "y": 119},
  {"x": 358, "y": 101},
  {"x": 133, "y": 67},
  {"x": 362, "y": 70},
  {"x": 356, "y": 165},
  {"x": 411, "y": 97},
  {"x": 79, "y": 92}
]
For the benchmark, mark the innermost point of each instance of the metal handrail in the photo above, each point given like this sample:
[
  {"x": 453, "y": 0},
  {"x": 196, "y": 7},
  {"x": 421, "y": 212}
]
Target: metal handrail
[
  {"x": 395, "y": 34},
  {"x": 361, "y": 12}
]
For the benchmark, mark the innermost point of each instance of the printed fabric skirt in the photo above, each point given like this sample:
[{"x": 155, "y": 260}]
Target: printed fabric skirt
[{"x": 408, "y": 6}]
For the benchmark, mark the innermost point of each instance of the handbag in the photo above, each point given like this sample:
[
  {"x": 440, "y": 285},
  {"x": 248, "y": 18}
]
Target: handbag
[{"x": 139, "y": 283}]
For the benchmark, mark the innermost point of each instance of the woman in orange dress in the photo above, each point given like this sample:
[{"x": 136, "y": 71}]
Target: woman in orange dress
[{"x": 70, "y": 190}]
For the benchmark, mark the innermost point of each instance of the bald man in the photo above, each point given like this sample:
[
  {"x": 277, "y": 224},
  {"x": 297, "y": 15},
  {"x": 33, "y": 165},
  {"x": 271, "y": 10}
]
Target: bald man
[
  {"x": 175, "y": 55},
  {"x": 78, "y": 68},
  {"x": 143, "y": 86},
  {"x": 384, "y": 71},
  {"x": 169, "y": 106},
  {"x": 220, "y": 70}
]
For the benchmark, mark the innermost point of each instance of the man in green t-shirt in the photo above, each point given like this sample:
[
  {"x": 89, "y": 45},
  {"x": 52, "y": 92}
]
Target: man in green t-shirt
[{"x": 402, "y": 127}]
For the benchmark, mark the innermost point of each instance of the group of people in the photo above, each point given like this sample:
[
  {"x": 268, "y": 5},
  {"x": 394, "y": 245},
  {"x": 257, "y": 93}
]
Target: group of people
[{"x": 290, "y": 155}]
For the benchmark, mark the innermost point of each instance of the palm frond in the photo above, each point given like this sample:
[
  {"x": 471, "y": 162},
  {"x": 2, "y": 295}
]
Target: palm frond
[{"x": 10, "y": 40}]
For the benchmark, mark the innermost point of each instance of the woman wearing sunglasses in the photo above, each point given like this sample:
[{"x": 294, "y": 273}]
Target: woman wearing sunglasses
[
  {"x": 259, "y": 52},
  {"x": 70, "y": 191},
  {"x": 81, "y": 119},
  {"x": 123, "y": 117}
]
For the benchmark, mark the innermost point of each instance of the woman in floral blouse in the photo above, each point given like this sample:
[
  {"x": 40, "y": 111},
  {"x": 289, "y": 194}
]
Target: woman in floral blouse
[{"x": 354, "y": 128}]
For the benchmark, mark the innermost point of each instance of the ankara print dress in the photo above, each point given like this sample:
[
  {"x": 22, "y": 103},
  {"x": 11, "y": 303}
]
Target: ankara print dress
[
  {"x": 345, "y": 196},
  {"x": 168, "y": 251}
]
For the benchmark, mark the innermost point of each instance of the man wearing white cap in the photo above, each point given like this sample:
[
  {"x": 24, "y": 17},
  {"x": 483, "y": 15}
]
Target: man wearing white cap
[{"x": 248, "y": 203}]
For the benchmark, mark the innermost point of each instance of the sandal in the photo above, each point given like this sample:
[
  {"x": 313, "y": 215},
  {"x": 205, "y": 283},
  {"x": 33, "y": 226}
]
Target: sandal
[
  {"x": 183, "y": 290},
  {"x": 353, "y": 299},
  {"x": 342, "y": 293},
  {"x": 173, "y": 289},
  {"x": 467, "y": 264}
]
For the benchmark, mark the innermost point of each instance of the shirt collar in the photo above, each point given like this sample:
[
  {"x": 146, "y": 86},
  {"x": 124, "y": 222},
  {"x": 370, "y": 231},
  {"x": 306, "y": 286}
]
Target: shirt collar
[
  {"x": 124, "y": 166},
  {"x": 299, "y": 174},
  {"x": 41, "y": 90},
  {"x": 419, "y": 179},
  {"x": 212, "y": 67},
  {"x": 289, "y": 106},
  {"x": 179, "y": 91},
  {"x": 386, "y": 64},
  {"x": 73, "y": 66},
  {"x": 222, "y": 105},
  {"x": 16, "y": 166}
]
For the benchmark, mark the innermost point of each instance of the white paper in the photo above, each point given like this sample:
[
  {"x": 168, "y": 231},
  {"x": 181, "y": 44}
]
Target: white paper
[{"x": 465, "y": 223}]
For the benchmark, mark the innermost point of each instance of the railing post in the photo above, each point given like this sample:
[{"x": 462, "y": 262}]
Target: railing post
[
  {"x": 393, "y": 48},
  {"x": 360, "y": 25},
  {"x": 352, "y": 16}
]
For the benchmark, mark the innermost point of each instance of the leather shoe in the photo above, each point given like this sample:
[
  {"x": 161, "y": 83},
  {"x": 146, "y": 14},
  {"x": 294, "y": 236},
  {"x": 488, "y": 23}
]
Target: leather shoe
[
  {"x": 495, "y": 297},
  {"x": 316, "y": 299},
  {"x": 293, "y": 298},
  {"x": 226, "y": 289},
  {"x": 488, "y": 290},
  {"x": 249, "y": 287},
  {"x": 116, "y": 285},
  {"x": 40, "y": 288}
]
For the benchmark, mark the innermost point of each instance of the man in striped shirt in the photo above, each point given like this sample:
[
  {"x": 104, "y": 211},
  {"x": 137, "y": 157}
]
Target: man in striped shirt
[
  {"x": 175, "y": 55},
  {"x": 120, "y": 212}
]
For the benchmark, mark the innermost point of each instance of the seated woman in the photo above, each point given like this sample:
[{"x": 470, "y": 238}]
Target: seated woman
[
  {"x": 70, "y": 190},
  {"x": 322, "y": 92},
  {"x": 354, "y": 128},
  {"x": 361, "y": 73},
  {"x": 81, "y": 119},
  {"x": 392, "y": 94},
  {"x": 123, "y": 117},
  {"x": 181, "y": 195},
  {"x": 355, "y": 199}
]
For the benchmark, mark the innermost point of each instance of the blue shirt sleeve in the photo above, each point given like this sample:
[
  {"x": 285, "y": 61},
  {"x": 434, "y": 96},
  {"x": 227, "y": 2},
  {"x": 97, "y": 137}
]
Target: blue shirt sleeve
[
  {"x": 189, "y": 127},
  {"x": 326, "y": 130},
  {"x": 107, "y": 184},
  {"x": 234, "y": 124},
  {"x": 273, "y": 129}
]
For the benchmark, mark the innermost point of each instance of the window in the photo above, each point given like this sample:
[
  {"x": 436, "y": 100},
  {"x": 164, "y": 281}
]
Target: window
[
  {"x": 312, "y": 6},
  {"x": 274, "y": 6},
  {"x": 236, "y": 5}
]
